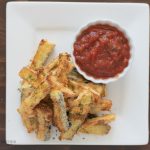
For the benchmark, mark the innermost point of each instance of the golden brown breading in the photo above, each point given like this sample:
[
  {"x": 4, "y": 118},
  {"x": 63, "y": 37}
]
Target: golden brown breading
[
  {"x": 98, "y": 90},
  {"x": 78, "y": 113},
  {"x": 59, "y": 108},
  {"x": 35, "y": 97},
  {"x": 104, "y": 119},
  {"x": 100, "y": 105},
  {"x": 63, "y": 69},
  {"x": 82, "y": 99},
  {"x": 64, "y": 66},
  {"x": 99, "y": 129},
  {"x": 46, "y": 71},
  {"x": 68, "y": 135},
  {"x": 106, "y": 104},
  {"x": 29, "y": 120},
  {"x": 39, "y": 120},
  {"x": 26, "y": 89},
  {"x": 44, "y": 120},
  {"x": 30, "y": 73},
  {"x": 30, "y": 76},
  {"x": 55, "y": 84},
  {"x": 98, "y": 125},
  {"x": 44, "y": 50}
]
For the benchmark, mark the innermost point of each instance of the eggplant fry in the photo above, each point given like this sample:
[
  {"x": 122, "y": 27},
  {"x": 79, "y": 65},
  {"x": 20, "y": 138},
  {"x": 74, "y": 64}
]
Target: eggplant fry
[
  {"x": 44, "y": 50},
  {"x": 98, "y": 129},
  {"x": 35, "y": 97},
  {"x": 29, "y": 121},
  {"x": 100, "y": 105},
  {"x": 55, "y": 84},
  {"x": 82, "y": 103},
  {"x": 98, "y": 125},
  {"x": 59, "y": 108},
  {"x": 68, "y": 135},
  {"x": 26, "y": 89},
  {"x": 64, "y": 66},
  {"x": 106, "y": 104},
  {"x": 63, "y": 69},
  {"x": 30, "y": 76},
  {"x": 48, "y": 69},
  {"x": 44, "y": 121},
  {"x": 98, "y": 90},
  {"x": 104, "y": 119}
]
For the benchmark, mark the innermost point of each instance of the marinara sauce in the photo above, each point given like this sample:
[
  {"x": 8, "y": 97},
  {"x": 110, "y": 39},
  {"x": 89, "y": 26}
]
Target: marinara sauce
[{"x": 102, "y": 51}]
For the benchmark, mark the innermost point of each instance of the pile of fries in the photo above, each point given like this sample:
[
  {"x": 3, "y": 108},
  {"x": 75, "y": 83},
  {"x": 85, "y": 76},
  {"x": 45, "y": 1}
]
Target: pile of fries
[{"x": 54, "y": 93}]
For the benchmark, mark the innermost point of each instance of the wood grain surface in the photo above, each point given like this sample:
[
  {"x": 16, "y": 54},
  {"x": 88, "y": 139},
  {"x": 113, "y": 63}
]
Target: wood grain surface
[{"x": 3, "y": 145}]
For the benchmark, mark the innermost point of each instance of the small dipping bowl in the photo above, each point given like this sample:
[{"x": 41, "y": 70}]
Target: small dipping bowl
[{"x": 108, "y": 78}]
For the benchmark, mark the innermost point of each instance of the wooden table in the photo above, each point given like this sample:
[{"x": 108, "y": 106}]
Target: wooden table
[{"x": 3, "y": 145}]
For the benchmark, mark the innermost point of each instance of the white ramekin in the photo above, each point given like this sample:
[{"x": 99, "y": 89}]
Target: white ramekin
[{"x": 101, "y": 80}]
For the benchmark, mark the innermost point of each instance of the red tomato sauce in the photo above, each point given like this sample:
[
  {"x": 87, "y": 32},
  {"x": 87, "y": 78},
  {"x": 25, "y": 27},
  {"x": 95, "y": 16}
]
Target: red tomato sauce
[{"x": 102, "y": 51}]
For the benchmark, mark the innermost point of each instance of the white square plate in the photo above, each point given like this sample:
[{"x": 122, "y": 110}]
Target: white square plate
[{"x": 28, "y": 22}]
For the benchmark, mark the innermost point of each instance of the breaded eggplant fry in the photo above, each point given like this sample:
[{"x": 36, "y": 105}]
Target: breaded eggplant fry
[
  {"x": 98, "y": 125},
  {"x": 68, "y": 135},
  {"x": 59, "y": 108},
  {"x": 26, "y": 89},
  {"x": 35, "y": 97},
  {"x": 67, "y": 92},
  {"x": 84, "y": 98},
  {"x": 29, "y": 121},
  {"x": 63, "y": 69},
  {"x": 44, "y": 50},
  {"x": 44, "y": 121},
  {"x": 64, "y": 66},
  {"x": 35, "y": 78},
  {"x": 48, "y": 68},
  {"x": 106, "y": 104},
  {"x": 101, "y": 119},
  {"x": 98, "y": 129},
  {"x": 100, "y": 105},
  {"x": 98, "y": 90},
  {"x": 78, "y": 117},
  {"x": 30, "y": 76}
]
